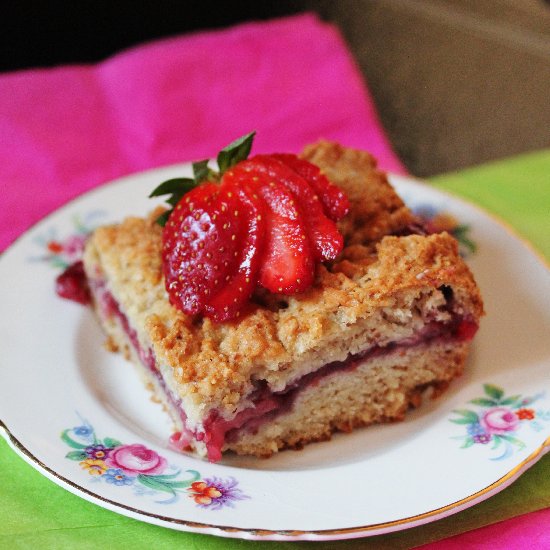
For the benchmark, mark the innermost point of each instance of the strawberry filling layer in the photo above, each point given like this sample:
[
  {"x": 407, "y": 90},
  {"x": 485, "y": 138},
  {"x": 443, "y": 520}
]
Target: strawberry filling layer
[{"x": 267, "y": 404}]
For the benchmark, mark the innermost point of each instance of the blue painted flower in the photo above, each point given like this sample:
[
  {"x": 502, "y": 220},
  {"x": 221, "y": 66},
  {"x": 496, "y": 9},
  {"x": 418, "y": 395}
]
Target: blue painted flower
[
  {"x": 117, "y": 477},
  {"x": 83, "y": 431},
  {"x": 475, "y": 429}
]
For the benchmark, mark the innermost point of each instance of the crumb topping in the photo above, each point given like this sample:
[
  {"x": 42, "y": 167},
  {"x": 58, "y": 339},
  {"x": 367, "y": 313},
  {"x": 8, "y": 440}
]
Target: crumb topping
[{"x": 376, "y": 209}]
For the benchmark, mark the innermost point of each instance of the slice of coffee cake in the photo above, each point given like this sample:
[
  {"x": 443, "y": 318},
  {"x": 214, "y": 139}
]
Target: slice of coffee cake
[{"x": 392, "y": 315}]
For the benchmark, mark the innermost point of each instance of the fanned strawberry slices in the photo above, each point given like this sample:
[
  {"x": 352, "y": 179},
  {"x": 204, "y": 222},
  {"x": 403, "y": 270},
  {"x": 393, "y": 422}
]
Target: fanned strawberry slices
[
  {"x": 322, "y": 232},
  {"x": 259, "y": 222},
  {"x": 335, "y": 202},
  {"x": 287, "y": 264}
]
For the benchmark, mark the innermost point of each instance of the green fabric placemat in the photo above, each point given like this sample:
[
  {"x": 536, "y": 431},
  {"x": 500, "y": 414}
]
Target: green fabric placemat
[
  {"x": 517, "y": 190},
  {"x": 36, "y": 513}
]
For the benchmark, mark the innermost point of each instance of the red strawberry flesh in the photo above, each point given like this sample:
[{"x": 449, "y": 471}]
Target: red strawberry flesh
[
  {"x": 335, "y": 203},
  {"x": 266, "y": 224},
  {"x": 199, "y": 244},
  {"x": 231, "y": 299},
  {"x": 326, "y": 240},
  {"x": 287, "y": 265}
]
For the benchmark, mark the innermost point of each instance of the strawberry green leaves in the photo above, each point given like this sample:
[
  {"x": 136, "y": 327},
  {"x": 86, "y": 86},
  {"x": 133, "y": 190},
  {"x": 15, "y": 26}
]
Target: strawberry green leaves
[
  {"x": 235, "y": 152},
  {"x": 176, "y": 188}
]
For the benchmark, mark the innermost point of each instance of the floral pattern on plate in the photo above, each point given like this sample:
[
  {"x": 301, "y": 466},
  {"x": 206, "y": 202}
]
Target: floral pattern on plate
[
  {"x": 498, "y": 419},
  {"x": 436, "y": 221},
  {"x": 61, "y": 252},
  {"x": 146, "y": 471}
]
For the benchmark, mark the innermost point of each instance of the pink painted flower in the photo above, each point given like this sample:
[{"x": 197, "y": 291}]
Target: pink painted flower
[
  {"x": 136, "y": 459},
  {"x": 499, "y": 420},
  {"x": 73, "y": 246}
]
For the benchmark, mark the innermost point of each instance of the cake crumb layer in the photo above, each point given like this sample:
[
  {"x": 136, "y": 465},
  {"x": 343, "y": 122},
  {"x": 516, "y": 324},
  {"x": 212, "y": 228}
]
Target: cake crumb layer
[{"x": 383, "y": 288}]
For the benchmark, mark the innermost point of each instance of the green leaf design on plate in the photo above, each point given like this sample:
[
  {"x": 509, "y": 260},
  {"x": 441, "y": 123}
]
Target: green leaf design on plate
[
  {"x": 513, "y": 400},
  {"x": 460, "y": 421},
  {"x": 461, "y": 234},
  {"x": 167, "y": 477},
  {"x": 183, "y": 484},
  {"x": 165, "y": 482},
  {"x": 109, "y": 442},
  {"x": 499, "y": 421},
  {"x": 493, "y": 391},
  {"x": 484, "y": 402},
  {"x": 76, "y": 455},
  {"x": 71, "y": 442},
  {"x": 469, "y": 417},
  {"x": 153, "y": 483},
  {"x": 513, "y": 440}
]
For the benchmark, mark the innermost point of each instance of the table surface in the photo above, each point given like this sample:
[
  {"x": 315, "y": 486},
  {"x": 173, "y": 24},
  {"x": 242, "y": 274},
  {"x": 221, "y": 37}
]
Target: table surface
[{"x": 36, "y": 512}]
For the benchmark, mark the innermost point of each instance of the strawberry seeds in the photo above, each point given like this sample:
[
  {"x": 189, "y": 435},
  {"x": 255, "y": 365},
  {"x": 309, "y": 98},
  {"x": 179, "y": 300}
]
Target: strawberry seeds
[{"x": 266, "y": 222}]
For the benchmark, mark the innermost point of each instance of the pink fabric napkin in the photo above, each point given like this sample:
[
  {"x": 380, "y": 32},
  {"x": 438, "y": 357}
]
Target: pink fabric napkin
[
  {"x": 65, "y": 130},
  {"x": 525, "y": 532}
]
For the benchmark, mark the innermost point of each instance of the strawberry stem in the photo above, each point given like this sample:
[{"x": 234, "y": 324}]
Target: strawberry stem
[{"x": 234, "y": 153}]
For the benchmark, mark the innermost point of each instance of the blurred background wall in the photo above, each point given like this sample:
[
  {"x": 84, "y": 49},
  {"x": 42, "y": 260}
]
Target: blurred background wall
[{"x": 456, "y": 82}]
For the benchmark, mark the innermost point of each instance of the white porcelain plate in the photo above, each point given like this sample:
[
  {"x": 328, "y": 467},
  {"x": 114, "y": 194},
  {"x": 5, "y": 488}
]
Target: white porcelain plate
[{"x": 79, "y": 415}]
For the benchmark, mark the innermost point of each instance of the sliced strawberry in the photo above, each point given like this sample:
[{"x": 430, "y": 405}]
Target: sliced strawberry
[
  {"x": 200, "y": 241},
  {"x": 287, "y": 265},
  {"x": 326, "y": 240},
  {"x": 267, "y": 223},
  {"x": 335, "y": 203},
  {"x": 230, "y": 300}
]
